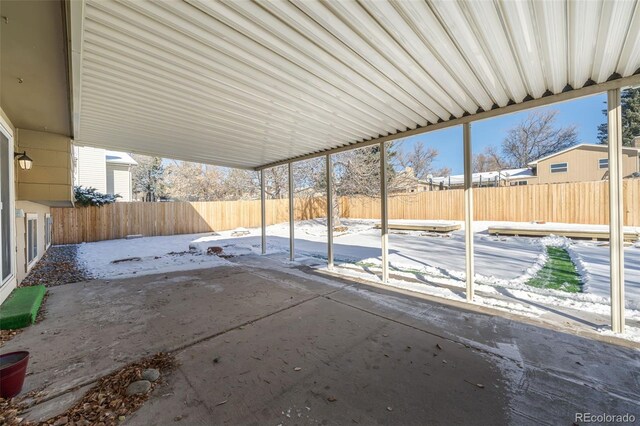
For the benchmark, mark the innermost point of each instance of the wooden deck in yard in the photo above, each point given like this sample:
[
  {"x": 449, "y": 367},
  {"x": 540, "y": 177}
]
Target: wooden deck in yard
[
  {"x": 539, "y": 230},
  {"x": 423, "y": 226}
]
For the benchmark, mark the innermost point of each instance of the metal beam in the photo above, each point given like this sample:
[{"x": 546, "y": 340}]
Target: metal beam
[
  {"x": 291, "y": 216},
  {"x": 468, "y": 209},
  {"x": 616, "y": 220},
  {"x": 329, "y": 171},
  {"x": 633, "y": 80},
  {"x": 384, "y": 214},
  {"x": 263, "y": 213}
]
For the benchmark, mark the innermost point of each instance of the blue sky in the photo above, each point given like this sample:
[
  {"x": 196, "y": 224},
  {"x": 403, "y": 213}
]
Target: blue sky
[{"x": 585, "y": 113}]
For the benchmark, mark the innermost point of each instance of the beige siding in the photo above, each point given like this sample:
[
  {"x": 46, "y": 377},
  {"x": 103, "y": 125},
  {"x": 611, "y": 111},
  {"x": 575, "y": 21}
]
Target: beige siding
[
  {"x": 10, "y": 284},
  {"x": 91, "y": 168},
  {"x": 50, "y": 179},
  {"x": 119, "y": 181},
  {"x": 21, "y": 235},
  {"x": 583, "y": 165}
]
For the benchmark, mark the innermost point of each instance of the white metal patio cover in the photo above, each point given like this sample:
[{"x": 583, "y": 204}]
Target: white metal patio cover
[{"x": 246, "y": 84}]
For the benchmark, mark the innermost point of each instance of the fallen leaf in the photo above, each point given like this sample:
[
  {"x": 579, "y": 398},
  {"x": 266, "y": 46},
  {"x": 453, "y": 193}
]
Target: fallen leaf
[
  {"x": 332, "y": 399},
  {"x": 438, "y": 346}
]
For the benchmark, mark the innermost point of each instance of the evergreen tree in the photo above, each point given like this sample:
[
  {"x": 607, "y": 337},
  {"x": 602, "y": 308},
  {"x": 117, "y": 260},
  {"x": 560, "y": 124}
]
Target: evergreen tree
[
  {"x": 149, "y": 178},
  {"x": 630, "y": 100},
  {"x": 91, "y": 197}
]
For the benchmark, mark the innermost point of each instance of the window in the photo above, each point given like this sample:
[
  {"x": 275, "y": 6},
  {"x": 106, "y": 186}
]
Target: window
[
  {"x": 559, "y": 167},
  {"x": 48, "y": 230},
  {"x": 603, "y": 163},
  {"x": 6, "y": 163},
  {"x": 519, "y": 183},
  {"x": 32, "y": 238}
]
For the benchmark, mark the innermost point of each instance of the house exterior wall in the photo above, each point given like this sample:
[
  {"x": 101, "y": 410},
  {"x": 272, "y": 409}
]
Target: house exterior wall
[
  {"x": 583, "y": 165},
  {"x": 10, "y": 283},
  {"x": 119, "y": 181},
  {"x": 91, "y": 168},
  {"x": 530, "y": 180},
  {"x": 40, "y": 211},
  {"x": 50, "y": 180}
]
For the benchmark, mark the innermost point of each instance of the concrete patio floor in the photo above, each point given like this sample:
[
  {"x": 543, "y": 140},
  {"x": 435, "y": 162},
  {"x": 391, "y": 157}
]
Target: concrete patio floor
[{"x": 375, "y": 351}]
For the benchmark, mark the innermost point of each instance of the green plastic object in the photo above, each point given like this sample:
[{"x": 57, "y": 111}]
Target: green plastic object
[{"x": 21, "y": 307}]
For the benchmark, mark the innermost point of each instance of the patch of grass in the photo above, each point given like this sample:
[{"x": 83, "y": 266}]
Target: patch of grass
[
  {"x": 559, "y": 273},
  {"x": 367, "y": 265}
]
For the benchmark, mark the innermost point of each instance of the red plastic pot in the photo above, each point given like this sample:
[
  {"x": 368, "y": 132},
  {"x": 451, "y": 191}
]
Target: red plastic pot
[{"x": 13, "y": 367}]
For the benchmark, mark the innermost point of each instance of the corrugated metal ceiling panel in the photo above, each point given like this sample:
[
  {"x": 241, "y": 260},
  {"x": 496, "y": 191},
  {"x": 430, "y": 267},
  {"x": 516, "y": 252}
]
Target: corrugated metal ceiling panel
[{"x": 245, "y": 83}]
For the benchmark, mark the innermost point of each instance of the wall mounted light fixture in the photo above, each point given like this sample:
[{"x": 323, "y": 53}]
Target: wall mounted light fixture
[{"x": 23, "y": 160}]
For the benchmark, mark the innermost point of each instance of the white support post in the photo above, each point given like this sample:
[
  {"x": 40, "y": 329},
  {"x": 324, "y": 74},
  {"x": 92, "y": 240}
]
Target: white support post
[
  {"x": 291, "y": 216},
  {"x": 329, "y": 167},
  {"x": 384, "y": 214},
  {"x": 468, "y": 209},
  {"x": 263, "y": 213},
  {"x": 616, "y": 220}
]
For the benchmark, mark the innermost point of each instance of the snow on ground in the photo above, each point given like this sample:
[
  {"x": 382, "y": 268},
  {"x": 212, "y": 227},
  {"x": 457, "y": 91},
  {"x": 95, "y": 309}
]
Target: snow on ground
[
  {"x": 420, "y": 261},
  {"x": 154, "y": 254}
]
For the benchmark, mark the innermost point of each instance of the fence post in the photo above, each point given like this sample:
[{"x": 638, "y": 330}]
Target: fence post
[
  {"x": 291, "y": 215},
  {"x": 329, "y": 171},
  {"x": 616, "y": 220},
  {"x": 384, "y": 219},
  {"x": 468, "y": 209},
  {"x": 263, "y": 213}
]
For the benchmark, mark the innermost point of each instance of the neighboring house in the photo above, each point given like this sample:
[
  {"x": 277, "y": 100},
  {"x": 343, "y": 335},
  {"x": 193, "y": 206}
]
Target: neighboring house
[
  {"x": 406, "y": 181},
  {"x": 486, "y": 179},
  {"x": 579, "y": 163},
  {"x": 107, "y": 171},
  {"x": 583, "y": 163}
]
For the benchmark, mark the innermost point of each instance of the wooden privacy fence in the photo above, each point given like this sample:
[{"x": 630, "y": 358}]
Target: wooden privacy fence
[
  {"x": 87, "y": 224},
  {"x": 582, "y": 202}
]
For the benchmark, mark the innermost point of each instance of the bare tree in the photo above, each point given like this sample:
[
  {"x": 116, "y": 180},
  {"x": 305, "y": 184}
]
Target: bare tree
[
  {"x": 487, "y": 161},
  {"x": 535, "y": 137},
  {"x": 277, "y": 182},
  {"x": 239, "y": 184},
  {"x": 195, "y": 182},
  {"x": 420, "y": 160}
]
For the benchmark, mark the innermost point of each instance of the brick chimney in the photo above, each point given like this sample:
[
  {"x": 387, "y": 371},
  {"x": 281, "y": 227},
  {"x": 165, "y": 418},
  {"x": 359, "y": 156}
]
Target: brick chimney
[{"x": 636, "y": 142}]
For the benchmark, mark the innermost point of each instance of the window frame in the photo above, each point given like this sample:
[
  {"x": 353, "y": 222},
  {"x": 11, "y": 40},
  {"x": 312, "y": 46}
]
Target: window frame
[
  {"x": 600, "y": 160},
  {"x": 566, "y": 167},
  {"x": 5, "y": 129},
  {"x": 48, "y": 230},
  {"x": 28, "y": 239}
]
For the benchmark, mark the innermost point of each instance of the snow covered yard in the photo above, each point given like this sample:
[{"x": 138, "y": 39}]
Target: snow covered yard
[
  {"x": 419, "y": 261},
  {"x": 149, "y": 255}
]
